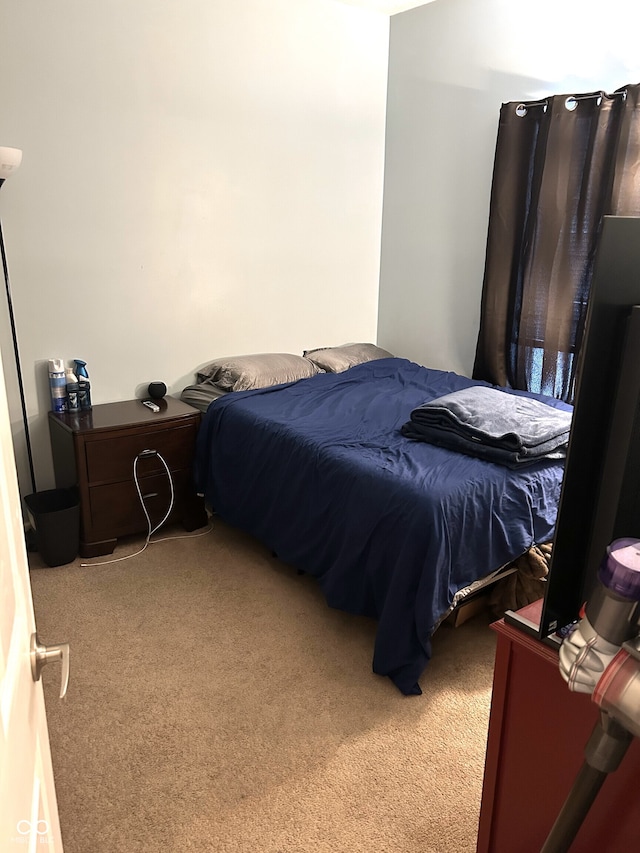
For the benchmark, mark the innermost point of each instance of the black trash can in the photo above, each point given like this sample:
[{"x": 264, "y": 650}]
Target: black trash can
[{"x": 55, "y": 517}]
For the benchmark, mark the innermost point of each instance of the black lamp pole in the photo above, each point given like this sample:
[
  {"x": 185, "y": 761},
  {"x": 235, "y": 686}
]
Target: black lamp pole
[{"x": 16, "y": 352}]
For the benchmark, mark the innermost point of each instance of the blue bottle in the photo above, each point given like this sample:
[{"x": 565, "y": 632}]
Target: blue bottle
[{"x": 84, "y": 386}]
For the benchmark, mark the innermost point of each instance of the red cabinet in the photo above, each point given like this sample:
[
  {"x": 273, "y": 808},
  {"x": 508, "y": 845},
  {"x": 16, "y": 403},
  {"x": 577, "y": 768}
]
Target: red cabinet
[{"x": 537, "y": 733}]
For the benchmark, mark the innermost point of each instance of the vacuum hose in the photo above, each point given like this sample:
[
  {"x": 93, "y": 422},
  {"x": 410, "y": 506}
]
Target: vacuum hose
[{"x": 605, "y": 750}]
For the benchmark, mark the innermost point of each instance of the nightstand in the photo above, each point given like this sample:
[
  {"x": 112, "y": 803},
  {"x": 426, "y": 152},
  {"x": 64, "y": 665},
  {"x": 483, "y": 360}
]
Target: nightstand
[{"x": 96, "y": 450}]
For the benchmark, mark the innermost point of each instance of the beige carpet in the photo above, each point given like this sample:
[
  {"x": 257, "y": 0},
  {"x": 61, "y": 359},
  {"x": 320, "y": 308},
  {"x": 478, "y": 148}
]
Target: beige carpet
[{"x": 217, "y": 704}]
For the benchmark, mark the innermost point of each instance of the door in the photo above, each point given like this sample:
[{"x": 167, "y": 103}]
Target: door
[{"x": 28, "y": 809}]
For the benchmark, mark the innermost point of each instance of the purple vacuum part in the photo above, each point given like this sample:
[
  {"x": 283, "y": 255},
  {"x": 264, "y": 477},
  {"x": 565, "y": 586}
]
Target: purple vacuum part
[{"x": 620, "y": 570}]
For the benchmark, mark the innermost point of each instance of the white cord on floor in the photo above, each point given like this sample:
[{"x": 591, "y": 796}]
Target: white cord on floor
[{"x": 151, "y": 530}]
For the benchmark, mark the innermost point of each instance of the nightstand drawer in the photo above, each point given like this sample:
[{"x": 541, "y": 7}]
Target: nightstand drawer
[
  {"x": 111, "y": 459},
  {"x": 116, "y": 509}
]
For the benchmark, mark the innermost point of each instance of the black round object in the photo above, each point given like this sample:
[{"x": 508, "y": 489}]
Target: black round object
[{"x": 157, "y": 390}]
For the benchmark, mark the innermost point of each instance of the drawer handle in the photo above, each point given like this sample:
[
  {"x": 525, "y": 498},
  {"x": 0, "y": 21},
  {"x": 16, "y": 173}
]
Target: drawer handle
[{"x": 149, "y": 495}]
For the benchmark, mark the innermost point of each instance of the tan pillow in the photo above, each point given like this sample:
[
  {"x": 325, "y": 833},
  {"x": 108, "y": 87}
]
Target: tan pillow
[
  {"x": 245, "y": 372},
  {"x": 338, "y": 359}
]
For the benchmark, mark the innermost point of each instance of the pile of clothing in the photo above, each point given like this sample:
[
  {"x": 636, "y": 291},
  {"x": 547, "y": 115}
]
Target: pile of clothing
[
  {"x": 525, "y": 585},
  {"x": 511, "y": 429}
]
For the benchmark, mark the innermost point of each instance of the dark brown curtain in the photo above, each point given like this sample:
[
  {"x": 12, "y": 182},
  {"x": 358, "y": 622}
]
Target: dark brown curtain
[{"x": 561, "y": 164}]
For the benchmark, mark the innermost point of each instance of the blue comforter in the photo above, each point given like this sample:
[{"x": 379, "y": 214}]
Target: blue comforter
[{"x": 320, "y": 472}]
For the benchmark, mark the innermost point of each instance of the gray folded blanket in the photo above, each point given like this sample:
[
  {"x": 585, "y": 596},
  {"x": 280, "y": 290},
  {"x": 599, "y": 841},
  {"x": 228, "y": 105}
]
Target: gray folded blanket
[{"x": 492, "y": 424}]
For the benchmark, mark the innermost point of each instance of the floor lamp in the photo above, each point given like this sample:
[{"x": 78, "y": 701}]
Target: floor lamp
[{"x": 10, "y": 159}]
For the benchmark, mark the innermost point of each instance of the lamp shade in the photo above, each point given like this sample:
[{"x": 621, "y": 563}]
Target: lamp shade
[{"x": 10, "y": 159}]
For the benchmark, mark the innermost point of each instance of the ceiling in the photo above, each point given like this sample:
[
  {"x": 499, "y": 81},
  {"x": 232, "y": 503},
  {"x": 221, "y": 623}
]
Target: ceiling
[{"x": 389, "y": 7}]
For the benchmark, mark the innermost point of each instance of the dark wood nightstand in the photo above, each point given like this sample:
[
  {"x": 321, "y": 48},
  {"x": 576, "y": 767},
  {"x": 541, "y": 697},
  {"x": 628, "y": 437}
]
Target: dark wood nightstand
[{"x": 96, "y": 450}]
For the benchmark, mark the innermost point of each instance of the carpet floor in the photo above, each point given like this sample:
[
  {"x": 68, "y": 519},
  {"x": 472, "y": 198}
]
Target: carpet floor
[{"x": 217, "y": 704}]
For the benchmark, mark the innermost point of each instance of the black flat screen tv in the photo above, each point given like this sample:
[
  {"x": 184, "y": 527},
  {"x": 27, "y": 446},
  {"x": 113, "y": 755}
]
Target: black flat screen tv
[{"x": 600, "y": 496}]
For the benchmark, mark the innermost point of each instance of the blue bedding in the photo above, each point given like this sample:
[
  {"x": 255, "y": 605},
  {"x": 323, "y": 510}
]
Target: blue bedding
[
  {"x": 492, "y": 424},
  {"x": 320, "y": 472}
]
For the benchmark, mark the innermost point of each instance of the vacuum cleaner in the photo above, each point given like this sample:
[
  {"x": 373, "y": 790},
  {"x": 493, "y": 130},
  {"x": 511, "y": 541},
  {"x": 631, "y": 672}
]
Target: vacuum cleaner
[{"x": 601, "y": 656}]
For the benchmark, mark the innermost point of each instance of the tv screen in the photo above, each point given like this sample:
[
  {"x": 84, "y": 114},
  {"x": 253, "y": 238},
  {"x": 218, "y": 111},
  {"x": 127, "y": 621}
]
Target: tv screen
[{"x": 600, "y": 497}]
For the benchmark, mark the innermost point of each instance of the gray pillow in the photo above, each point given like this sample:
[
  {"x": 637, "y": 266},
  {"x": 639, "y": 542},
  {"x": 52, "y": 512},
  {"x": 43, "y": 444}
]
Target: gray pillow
[
  {"x": 338, "y": 359},
  {"x": 245, "y": 372},
  {"x": 201, "y": 395}
]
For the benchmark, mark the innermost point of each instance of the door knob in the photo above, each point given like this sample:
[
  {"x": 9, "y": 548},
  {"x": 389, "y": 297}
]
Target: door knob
[{"x": 42, "y": 655}]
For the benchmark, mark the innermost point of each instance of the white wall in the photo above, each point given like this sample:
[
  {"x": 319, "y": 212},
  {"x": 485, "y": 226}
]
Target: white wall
[
  {"x": 200, "y": 178},
  {"x": 452, "y": 64}
]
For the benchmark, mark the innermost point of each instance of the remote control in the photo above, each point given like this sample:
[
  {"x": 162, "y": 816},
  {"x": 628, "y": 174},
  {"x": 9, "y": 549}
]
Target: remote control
[{"x": 150, "y": 405}]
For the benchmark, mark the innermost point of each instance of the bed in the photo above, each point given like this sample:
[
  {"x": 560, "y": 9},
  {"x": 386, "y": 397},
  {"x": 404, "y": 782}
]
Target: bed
[{"x": 319, "y": 471}]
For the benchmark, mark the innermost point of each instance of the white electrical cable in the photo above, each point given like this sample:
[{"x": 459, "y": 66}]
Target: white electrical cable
[
  {"x": 144, "y": 508},
  {"x": 150, "y": 530}
]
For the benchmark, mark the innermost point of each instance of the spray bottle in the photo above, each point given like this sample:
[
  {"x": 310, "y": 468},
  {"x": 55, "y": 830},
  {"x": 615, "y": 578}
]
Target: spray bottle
[
  {"x": 84, "y": 386},
  {"x": 57, "y": 385},
  {"x": 73, "y": 390}
]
